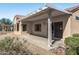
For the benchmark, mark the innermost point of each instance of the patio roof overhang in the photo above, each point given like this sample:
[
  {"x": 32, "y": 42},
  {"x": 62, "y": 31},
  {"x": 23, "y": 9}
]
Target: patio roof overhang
[{"x": 43, "y": 13}]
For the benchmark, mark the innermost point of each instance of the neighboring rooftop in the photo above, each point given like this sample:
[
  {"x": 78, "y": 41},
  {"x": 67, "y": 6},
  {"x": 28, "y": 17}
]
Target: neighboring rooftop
[
  {"x": 72, "y": 9},
  {"x": 18, "y": 16}
]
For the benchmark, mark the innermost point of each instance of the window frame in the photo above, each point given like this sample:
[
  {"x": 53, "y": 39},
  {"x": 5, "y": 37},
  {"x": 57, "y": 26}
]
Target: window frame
[
  {"x": 24, "y": 27},
  {"x": 77, "y": 17},
  {"x": 37, "y": 27}
]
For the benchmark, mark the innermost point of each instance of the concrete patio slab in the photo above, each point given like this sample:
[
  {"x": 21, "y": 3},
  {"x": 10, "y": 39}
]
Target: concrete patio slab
[{"x": 36, "y": 40}]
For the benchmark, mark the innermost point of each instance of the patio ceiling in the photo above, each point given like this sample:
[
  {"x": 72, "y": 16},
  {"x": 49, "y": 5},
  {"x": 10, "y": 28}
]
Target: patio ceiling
[{"x": 43, "y": 13}]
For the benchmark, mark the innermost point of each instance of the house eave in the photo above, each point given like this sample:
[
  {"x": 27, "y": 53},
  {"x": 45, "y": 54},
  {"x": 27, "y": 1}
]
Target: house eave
[{"x": 43, "y": 9}]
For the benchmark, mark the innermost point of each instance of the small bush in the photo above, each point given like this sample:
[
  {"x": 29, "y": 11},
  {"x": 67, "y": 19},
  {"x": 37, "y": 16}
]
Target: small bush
[
  {"x": 72, "y": 44},
  {"x": 72, "y": 41},
  {"x": 6, "y": 43},
  {"x": 75, "y": 35},
  {"x": 13, "y": 46},
  {"x": 70, "y": 51}
]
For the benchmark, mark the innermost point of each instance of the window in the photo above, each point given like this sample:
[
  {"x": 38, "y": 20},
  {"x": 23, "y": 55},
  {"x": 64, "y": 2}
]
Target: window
[
  {"x": 77, "y": 17},
  {"x": 24, "y": 27},
  {"x": 38, "y": 27}
]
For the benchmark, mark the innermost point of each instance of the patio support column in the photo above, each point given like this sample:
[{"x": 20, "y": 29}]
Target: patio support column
[
  {"x": 20, "y": 26},
  {"x": 49, "y": 31}
]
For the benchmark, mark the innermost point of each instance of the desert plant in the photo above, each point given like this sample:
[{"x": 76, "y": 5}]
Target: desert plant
[
  {"x": 13, "y": 46},
  {"x": 6, "y": 43}
]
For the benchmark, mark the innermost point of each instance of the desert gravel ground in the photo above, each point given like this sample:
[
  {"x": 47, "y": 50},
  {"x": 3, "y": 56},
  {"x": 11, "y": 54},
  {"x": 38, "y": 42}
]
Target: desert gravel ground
[{"x": 36, "y": 50}]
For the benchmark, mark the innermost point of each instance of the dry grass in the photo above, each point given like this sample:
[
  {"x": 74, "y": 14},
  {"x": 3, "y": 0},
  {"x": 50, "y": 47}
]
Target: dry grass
[
  {"x": 17, "y": 45},
  {"x": 13, "y": 46}
]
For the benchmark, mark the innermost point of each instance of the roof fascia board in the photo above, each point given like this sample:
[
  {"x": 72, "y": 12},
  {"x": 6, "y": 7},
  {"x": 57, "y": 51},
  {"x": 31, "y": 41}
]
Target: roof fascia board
[
  {"x": 61, "y": 10},
  {"x": 30, "y": 14}
]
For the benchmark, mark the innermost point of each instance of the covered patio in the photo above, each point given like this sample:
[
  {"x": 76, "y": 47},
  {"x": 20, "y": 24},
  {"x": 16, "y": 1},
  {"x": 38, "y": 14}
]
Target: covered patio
[{"x": 40, "y": 22}]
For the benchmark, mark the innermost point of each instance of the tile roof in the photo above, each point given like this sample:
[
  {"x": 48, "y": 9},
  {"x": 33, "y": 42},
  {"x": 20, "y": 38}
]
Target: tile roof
[
  {"x": 72, "y": 8},
  {"x": 18, "y": 16}
]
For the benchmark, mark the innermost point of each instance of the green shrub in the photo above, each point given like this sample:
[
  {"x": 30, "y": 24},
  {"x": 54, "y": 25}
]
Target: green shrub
[
  {"x": 72, "y": 41},
  {"x": 75, "y": 35},
  {"x": 72, "y": 44},
  {"x": 70, "y": 51}
]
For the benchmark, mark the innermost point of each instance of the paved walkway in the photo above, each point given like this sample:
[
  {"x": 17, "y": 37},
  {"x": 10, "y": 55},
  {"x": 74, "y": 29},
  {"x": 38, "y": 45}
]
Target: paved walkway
[{"x": 36, "y": 40}]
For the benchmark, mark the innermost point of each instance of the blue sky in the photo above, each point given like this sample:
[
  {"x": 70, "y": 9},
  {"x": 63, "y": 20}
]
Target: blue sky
[{"x": 10, "y": 10}]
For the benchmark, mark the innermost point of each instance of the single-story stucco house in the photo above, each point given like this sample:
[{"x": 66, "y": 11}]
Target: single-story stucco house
[{"x": 49, "y": 22}]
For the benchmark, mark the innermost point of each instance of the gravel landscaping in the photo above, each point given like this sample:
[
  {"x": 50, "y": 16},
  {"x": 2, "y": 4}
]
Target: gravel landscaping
[{"x": 11, "y": 44}]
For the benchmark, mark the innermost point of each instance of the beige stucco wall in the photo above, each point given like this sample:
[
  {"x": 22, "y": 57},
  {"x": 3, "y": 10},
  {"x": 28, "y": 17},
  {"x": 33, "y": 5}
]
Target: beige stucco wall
[
  {"x": 74, "y": 23},
  {"x": 43, "y": 23},
  {"x": 31, "y": 27}
]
